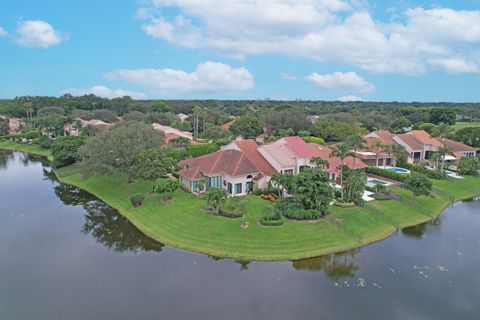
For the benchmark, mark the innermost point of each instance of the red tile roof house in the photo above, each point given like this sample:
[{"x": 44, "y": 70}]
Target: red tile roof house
[
  {"x": 420, "y": 145},
  {"x": 291, "y": 155},
  {"x": 369, "y": 154},
  {"x": 236, "y": 168},
  {"x": 173, "y": 133}
]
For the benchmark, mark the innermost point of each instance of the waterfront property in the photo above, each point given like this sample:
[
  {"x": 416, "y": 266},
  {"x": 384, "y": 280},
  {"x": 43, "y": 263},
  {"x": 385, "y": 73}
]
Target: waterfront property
[
  {"x": 419, "y": 144},
  {"x": 236, "y": 168}
]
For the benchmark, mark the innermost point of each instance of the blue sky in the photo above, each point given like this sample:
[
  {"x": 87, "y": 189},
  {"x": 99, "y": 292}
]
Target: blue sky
[{"x": 233, "y": 49}]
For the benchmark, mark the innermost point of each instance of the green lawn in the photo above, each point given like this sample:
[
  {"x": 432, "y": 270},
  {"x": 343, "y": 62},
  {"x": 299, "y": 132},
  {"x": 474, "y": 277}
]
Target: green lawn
[
  {"x": 184, "y": 223},
  {"x": 461, "y": 125},
  {"x": 34, "y": 149}
]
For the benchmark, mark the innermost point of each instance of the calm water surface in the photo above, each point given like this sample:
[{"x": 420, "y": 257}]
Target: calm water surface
[{"x": 66, "y": 255}]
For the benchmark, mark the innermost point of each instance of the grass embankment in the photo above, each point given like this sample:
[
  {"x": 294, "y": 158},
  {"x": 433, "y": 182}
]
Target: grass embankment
[
  {"x": 29, "y": 148},
  {"x": 184, "y": 224}
]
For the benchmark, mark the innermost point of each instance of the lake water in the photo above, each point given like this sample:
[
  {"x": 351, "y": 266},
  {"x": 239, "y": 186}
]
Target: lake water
[{"x": 66, "y": 255}]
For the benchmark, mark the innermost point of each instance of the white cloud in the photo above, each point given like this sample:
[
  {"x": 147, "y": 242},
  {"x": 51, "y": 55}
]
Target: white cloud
[
  {"x": 105, "y": 92},
  {"x": 349, "y": 98},
  {"x": 455, "y": 66},
  {"x": 3, "y": 32},
  {"x": 37, "y": 33},
  {"x": 288, "y": 77},
  {"x": 209, "y": 77},
  {"x": 349, "y": 81},
  {"x": 328, "y": 31}
]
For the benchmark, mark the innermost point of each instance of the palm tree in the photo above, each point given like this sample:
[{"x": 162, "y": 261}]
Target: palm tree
[
  {"x": 355, "y": 142},
  {"x": 215, "y": 198},
  {"x": 319, "y": 162},
  {"x": 377, "y": 145},
  {"x": 399, "y": 152},
  {"x": 341, "y": 151},
  {"x": 434, "y": 158},
  {"x": 282, "y": 181},
  {"x": 387, "y": 148},
  {"x": 442, "y": 152},
  {"x": 442, "y": 131}
]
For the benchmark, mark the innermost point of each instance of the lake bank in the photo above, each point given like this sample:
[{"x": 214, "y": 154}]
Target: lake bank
[{"x": 184, "y": 224}]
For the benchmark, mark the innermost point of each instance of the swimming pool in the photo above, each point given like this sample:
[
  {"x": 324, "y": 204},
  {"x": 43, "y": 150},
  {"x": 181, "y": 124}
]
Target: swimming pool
[
  {"x": 397, "y": 169},
  {"x": 375, "y": 181}
]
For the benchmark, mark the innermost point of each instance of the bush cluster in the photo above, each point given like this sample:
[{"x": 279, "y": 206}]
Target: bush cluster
[
  {"x": 137, "y": 199},
  {"x": 434, "y": 174},
  {"x": 292, "y": 211},
  {"x": 345, "y": 204},
  {"x": 385, "y": 195},
  {"x": 388, "y": 174}
]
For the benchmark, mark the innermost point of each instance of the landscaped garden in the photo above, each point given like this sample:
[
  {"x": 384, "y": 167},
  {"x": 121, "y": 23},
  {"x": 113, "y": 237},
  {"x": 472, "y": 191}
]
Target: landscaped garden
[{"x": 185, "y": 223}]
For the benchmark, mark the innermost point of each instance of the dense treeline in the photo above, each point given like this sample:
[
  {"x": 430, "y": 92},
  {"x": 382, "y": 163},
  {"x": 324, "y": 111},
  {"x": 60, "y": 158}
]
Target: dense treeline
[{"x": 29, "y": 106}]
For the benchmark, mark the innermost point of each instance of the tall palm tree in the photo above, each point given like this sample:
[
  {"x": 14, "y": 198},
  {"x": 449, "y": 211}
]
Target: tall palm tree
[
  {"x": 377, "y": 146},
  {"x": 443, "y": 151},
  {"x": 387, "y": 148},
  {"x": 355, "y": 142},
  {"x": 341, "y": 151},
  {"x": 319, "y": 162}
]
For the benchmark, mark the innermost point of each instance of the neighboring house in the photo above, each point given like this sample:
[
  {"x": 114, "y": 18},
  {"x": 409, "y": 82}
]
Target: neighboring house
[
  {"x": 14, "y": 125},
  {"x": 236, "y": 168},
  {"x": 75, "y": 130},
  {"x": 227, "y": 125},
  {"x": 290, "y": 155},
  {"x": 420, "y": 146},
  {"x": 377, "y": 158},
  {"x": 182, "y": 116},
  {"x": 172, "y": 133}
]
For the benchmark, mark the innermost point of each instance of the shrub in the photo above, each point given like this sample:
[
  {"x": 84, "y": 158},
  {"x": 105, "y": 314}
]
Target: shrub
[
  {"x": 32, "y": 134},
  {"x": 402, "y": 177},
  {"x": 345, "y": 204},
  {"x": 292, "y": 211},
  {"x": 229, "y": 213},
  {"x": 273, "y": 218},
  {"x": 197, "y": 150},
  {"x": 169, "y": 186},
  {"x": 385, "y": 195},
  {"x": 434, "y": 174},
  {"x": 270, "y": 223},
  {"x": 314, "y": 140},
  {"x": 469, "y": 166},
  {"x": 137, "y": 200},
  {"x": 44, "y": 142},
  {"x": 65, "y": 150}
]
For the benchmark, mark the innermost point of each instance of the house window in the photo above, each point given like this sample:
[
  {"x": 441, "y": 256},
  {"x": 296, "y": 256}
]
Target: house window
[
  {"x": 214, "y": 182},
  {"x": 194, "y": 186},
  {"x": 230, "y": 188},
  {"x": 303, "y": 168},
  {"x": 290, "y": 171},
  {"x": 238, "y": 188}
]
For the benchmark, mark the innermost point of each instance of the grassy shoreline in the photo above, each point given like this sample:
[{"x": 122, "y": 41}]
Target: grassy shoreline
[
  {"x": 184, "y": 224},
  {"x": 29, "y": 148}
]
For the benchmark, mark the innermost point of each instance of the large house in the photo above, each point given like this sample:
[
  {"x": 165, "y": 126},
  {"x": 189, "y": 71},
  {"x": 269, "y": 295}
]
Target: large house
[
  {"x": 236, "y": 168},
  {"x": 242, "y": 164},
  {"x": 14, "y": 124},
  {"x": 420, "y": 146},
  {"x": 291, "y": 155}
]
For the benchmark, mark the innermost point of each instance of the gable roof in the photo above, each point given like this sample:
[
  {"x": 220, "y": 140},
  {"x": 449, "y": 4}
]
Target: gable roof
[
  {"x": 300, "y": 148},
  {"x": 250, "y": 150},
  {"x": 231, "y": 162},
  {"x": 411, "y": 141},
  {"x": 456, "y": 146},
  {"x": 425, "y": 138},
  {"x": 334, "y": 163},
  {"x": 384, "y": 136}
]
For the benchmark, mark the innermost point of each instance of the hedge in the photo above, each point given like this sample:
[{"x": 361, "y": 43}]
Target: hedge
[
  {"x": 197, "y": 150},
  {"x": 434, "y": 174},
  {"x": 137, "y": 200},
  {"x": 388, "y": 174}
]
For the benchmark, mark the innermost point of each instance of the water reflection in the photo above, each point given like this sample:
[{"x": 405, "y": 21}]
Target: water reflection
[
  {"x": 336, "y": 266},
  {"x": 105, "y": 224}
]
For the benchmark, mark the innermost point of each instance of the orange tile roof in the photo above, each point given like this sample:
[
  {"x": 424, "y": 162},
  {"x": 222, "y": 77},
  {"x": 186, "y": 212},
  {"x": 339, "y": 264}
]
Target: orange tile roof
[
  {"x": 231, "y": 162},
  {"x": 411, "y": 140},
  {"x": 250, "y": 150},
  {"x": 457, "y": 146},
  {"x": 425, "y": 138}
]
